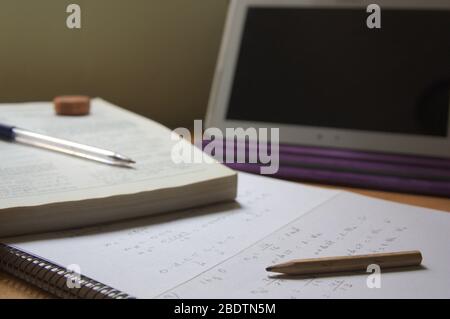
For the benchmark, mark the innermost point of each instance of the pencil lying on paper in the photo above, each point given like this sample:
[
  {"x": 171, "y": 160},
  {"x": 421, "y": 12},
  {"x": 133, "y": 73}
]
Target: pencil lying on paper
[{"x": 347, "y": 263}]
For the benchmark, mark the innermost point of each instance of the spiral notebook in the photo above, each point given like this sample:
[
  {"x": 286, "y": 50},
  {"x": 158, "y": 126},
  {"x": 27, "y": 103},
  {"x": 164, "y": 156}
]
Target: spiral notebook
[
  {"x": 221, "y": 251},
  {"x": 51, "y": 277}
]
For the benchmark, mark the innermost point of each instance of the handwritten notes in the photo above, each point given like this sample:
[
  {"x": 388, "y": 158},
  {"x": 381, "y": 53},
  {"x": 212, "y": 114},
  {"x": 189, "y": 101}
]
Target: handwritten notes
[
  {"x": 222, "y": 251},
  {"x": 349, "y": 232}
]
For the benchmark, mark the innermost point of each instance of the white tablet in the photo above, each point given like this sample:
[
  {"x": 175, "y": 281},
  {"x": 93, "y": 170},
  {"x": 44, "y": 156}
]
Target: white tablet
[{"x": 315, "y": 69}]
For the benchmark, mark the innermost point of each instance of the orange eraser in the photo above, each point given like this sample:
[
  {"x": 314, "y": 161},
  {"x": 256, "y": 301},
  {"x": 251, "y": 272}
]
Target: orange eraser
[{"x": 72, "y": 105}]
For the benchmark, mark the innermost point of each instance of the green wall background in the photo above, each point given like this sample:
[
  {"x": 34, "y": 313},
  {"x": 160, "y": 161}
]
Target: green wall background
[{"x": 155, "y": 57}]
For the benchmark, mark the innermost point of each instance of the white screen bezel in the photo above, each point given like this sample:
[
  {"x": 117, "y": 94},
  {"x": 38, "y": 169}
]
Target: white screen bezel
[{"x": 310, "y": 135}]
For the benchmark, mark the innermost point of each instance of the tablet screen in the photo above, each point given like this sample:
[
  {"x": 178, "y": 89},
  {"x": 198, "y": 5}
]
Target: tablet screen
[{"x": 326, "y": 68}]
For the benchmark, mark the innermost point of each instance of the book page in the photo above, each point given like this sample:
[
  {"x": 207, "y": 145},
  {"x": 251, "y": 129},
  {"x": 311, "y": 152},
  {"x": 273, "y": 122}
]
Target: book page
[
  {"x": 32, "y": 176},
  {"x": 150, "y": 256}
]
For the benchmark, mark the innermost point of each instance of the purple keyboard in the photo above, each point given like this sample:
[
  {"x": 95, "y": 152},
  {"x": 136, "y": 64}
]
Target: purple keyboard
[{"x": 391, "y": 172}]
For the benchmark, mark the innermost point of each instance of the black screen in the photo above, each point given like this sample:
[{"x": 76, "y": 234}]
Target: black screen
[{"x": 326, "y": 68}]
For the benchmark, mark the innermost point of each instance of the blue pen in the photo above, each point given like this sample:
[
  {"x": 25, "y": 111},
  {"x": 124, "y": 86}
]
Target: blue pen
[{"x": 15, "y": 134}]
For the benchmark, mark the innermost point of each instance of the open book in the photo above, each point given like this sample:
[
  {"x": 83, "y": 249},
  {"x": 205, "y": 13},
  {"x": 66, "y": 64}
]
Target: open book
[{"x": 45, "y": 191}]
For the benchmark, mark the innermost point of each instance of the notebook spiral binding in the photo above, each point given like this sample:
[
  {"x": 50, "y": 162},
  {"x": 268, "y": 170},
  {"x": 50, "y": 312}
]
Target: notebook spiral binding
[{"x": 53, "y": 278}]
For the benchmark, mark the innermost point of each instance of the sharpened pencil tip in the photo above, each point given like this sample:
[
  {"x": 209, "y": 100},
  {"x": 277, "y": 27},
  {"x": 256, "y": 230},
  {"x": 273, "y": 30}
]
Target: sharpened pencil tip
[{"x": 269, "y": 268}]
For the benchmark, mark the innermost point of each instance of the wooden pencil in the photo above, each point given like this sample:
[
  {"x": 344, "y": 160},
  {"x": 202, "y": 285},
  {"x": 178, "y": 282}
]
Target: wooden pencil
[{"x": 347, "y": 263}]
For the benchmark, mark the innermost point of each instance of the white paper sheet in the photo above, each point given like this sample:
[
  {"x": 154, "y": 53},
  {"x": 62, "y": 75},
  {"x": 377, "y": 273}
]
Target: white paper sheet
[
  {"x": 222, "y": 251},
  {"x": 347, "y": 225}
]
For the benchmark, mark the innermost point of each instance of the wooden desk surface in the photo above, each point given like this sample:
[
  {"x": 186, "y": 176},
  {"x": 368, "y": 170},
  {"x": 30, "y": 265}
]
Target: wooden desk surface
[{"x": 11, "y": 287}]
